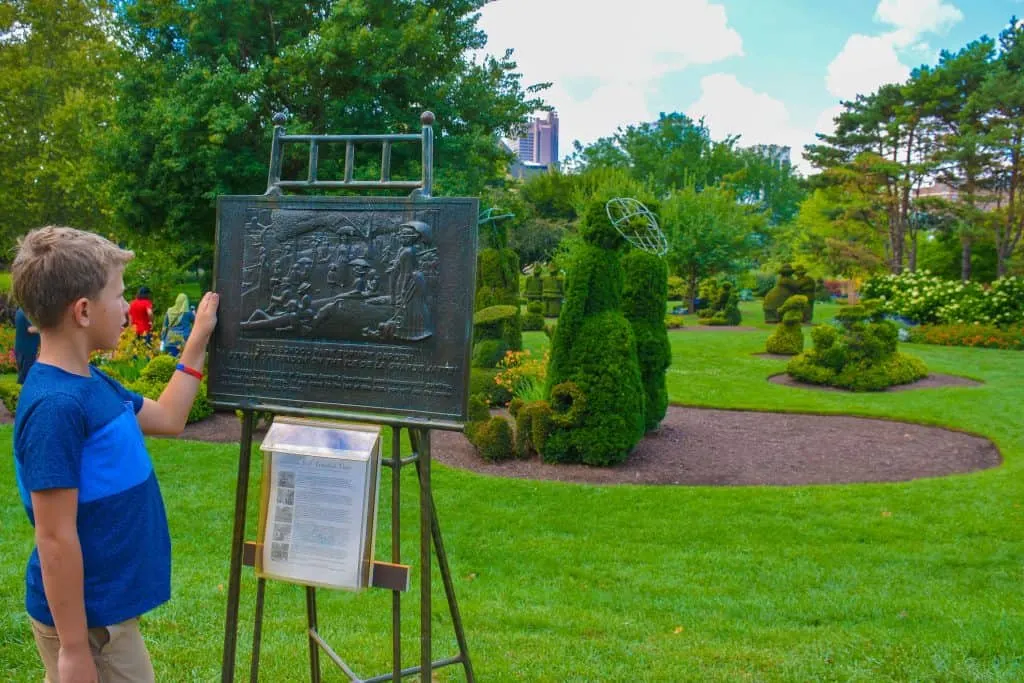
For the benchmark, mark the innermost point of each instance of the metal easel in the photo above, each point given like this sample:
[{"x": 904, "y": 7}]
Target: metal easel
[{"x": 391, "y": 576}]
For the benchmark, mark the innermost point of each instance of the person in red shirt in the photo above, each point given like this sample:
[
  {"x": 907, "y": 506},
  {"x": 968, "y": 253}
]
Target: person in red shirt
[{"x": 140, "y": 313}]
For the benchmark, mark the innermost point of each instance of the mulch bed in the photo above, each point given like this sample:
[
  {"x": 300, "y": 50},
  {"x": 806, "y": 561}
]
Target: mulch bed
[
  {"x": 727, "y": 448},
  {"x": 746, "y": 448},
  {"x": 932, "y": 381}
]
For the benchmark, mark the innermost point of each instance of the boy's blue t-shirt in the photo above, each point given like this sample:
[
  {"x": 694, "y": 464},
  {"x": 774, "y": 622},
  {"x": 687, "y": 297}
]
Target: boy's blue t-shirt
[{"x": 82, "y": 433}]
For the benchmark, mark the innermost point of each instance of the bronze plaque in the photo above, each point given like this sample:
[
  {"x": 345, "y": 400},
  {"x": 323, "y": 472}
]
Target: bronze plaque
[{"x": 345, "y": 303}]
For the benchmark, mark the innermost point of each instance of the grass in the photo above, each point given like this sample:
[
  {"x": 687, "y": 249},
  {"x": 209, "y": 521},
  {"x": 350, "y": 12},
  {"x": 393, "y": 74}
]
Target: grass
[{"x": 561, "y": 582}]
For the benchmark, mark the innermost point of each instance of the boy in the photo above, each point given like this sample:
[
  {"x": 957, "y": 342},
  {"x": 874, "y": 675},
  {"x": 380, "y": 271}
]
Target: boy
[{"x": 102, "y": 554}]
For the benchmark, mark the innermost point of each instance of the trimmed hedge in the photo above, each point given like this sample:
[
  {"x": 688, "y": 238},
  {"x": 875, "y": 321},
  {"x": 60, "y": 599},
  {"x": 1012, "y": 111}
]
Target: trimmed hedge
[{"x": 644, "y": 296}]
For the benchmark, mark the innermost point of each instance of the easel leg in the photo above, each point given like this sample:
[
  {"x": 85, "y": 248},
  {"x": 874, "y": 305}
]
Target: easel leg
[
  {"x": 396, "y": 551},
  {"x": 314, "y": 649},
  {"x": 449, "y": 591},
  {"x": 422, "y": 447},
  {"x": 227, "y": 672},
  {"x": 257, "y": 631}
]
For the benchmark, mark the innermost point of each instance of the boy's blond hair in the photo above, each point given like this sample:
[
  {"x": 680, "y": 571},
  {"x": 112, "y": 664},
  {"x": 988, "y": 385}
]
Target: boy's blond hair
[{"x": 56, "y": 266}]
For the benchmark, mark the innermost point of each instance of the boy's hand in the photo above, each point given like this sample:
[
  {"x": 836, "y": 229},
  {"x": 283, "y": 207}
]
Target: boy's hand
[
  {"x": 76, "y": 665},
  {"x": 206, "y": 317}
]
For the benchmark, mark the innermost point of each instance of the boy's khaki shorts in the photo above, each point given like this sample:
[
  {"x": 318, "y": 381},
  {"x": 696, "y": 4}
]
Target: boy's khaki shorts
[{"x": 119, "y": 652}]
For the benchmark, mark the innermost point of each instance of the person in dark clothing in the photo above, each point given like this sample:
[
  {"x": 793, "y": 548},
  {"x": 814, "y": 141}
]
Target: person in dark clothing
[{"x": 26, "y": 344}]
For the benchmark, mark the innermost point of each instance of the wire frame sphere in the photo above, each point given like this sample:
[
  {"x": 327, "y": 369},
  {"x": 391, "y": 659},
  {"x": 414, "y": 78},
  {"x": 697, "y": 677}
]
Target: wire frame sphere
[{"x": 637, "y": 225}]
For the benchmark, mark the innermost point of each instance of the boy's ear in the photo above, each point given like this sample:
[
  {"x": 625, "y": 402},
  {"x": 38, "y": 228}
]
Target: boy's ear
[{"x": 80, "y": 309}]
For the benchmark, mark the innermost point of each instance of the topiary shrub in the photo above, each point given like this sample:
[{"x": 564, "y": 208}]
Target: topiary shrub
[
  {"x": 492, "y": 438},
  {"x": 806, "y": 287},
  {"x": 497, "y": 278},
  {"x": 861, "y": 355},
  {"x": 788, "y": 338},
  {"x": 533, "y": 322},
  {"x": 594, "y": 348},
  {"x": 607, "y": 414},
  {"x": 535, "y": 307},
  {"x": 644, "y": 296},
  {"x": 534, "y": 287},
  {"x": 725, "y": 310},
  {"x": 488, "y": 352},
  {"x": 533, "y": 422},
  {"x": 552, "y": 295},
  {"x": 499, "y": 322},
  {"x": 784, "y": 288}
]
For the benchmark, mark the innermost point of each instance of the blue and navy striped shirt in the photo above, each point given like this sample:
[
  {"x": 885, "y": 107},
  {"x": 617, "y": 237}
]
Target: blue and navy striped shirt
[{"x": 82, "y": 433}]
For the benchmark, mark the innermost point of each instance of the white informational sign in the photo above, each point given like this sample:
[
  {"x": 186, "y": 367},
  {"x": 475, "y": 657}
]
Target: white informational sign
[{"x": 319, "y": 513}]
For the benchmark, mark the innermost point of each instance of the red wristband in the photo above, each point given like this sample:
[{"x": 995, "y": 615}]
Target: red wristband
[{"x": 189, "y": 371}]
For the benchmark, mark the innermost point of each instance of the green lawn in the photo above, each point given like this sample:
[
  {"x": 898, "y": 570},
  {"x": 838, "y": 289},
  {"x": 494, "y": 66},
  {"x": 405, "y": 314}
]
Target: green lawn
[{"x": 561, "y": 582}]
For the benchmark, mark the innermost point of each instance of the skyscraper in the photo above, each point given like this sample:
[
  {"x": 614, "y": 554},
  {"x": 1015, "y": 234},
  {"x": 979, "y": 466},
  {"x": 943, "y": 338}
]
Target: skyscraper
[{"x": 539, "y": 144}]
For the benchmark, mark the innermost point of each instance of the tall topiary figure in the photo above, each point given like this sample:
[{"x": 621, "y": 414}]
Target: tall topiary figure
[
  {"x": 784, "y": 288},
  {"x": 597, "y": 396},
  {"x": 806, "y": 287},
  {"x": 644, "y": 296},
  {"x": 788, "y": 338}
]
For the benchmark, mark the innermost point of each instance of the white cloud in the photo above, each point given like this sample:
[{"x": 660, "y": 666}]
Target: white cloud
[
  {"x": 919, "y": 16},
  {"x": 732, "y": 108},
  {"x": 864, "y": 63},
  {"x": 867, "y": 62},
  {"x": 619, "y": 47}
]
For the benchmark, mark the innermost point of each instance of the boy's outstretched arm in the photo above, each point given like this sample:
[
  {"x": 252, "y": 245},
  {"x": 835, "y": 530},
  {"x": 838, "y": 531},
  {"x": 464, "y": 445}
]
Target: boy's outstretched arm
[
  {"x": 167, "y": 415},
  {"x": 60, "y": 557}
]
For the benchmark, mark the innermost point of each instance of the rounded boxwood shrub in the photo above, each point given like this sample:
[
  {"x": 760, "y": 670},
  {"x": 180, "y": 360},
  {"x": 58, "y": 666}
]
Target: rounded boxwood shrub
[
  {"x": 535, "y": 307},
  {"x": 533, "y": 322},
  {"x": 478, "y": 411},
  {"x": 644, "y": 296},
  {"x": 159, "y": 369},
  {"x": 492, "y": 438},
  {"x": 788, "y": 338}
]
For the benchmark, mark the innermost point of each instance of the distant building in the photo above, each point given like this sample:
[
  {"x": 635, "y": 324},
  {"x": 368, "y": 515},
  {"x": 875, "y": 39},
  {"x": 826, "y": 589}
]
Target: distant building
[
  {"x": 539, "y": 144},
  {"x": 778, "y": 154}
]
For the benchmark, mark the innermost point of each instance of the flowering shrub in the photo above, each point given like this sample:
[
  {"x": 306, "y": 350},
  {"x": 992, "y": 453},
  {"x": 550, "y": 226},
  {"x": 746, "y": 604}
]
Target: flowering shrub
[
  {"x": 7, "y": 360},
  {"x": 981, "y": 336},
  {"x": 925, "y": 298},
  {"x": 522, "y": 375},
  {"x": 133, "y": 353}
]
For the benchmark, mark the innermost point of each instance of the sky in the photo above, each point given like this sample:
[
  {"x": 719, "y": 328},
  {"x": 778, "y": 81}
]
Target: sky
[{"x": 770, "y": 71}]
